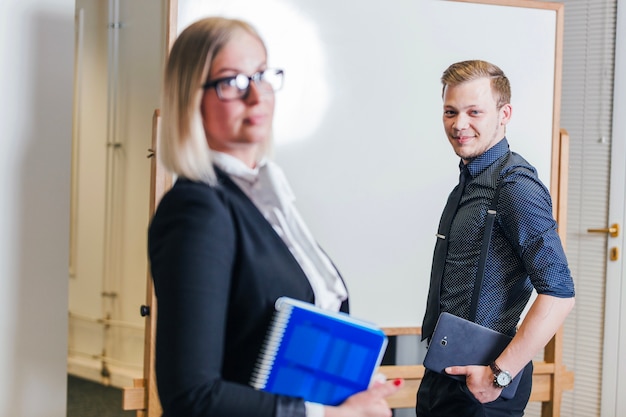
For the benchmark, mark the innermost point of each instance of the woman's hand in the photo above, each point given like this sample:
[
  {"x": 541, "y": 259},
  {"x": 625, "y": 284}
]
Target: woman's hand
[{"x": 369, "y": 403}]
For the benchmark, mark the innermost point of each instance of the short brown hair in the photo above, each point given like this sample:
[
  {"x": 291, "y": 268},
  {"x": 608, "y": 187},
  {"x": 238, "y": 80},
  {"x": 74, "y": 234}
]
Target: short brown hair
[{"x": 464, "y": 71}]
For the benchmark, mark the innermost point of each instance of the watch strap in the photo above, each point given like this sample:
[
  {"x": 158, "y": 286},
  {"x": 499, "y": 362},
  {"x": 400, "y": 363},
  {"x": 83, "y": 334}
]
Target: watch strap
[
  {"x": 495, "y": 368},
  {"x": 496, "y": 375}
]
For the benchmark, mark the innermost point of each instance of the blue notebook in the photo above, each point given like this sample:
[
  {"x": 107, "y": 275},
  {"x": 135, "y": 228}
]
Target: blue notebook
[{"x": 321, "y": 356}]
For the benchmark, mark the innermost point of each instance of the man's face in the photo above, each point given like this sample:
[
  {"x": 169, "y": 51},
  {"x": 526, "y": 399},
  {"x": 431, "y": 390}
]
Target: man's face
[{"x": 471, "y": 119}]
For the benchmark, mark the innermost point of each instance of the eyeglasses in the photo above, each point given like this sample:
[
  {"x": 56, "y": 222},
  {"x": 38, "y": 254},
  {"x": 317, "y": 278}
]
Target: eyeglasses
[{"x": 238, "y": 86}]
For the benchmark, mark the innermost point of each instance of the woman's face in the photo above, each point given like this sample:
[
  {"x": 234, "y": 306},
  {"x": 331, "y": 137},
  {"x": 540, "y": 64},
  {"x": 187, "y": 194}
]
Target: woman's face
[{"x": 238, "y": 127}]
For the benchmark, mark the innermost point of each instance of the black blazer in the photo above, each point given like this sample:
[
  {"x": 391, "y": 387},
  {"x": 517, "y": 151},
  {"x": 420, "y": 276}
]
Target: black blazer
[{"x": 218, "y": 267}]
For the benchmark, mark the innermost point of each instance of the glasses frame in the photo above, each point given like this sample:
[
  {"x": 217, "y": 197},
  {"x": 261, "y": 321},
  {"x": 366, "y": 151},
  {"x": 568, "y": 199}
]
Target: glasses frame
[{"x": 256, "y": 77}]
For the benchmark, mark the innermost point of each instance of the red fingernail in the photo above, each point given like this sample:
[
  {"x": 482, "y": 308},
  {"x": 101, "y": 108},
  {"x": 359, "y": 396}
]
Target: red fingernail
[{"x": 397, "y": 382}]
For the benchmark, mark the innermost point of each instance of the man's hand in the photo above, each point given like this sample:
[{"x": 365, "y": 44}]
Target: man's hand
[{"x": 479, "y": 380}]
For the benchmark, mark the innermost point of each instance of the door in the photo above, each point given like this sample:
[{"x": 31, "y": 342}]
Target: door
[{"x": 614, "y": 353}]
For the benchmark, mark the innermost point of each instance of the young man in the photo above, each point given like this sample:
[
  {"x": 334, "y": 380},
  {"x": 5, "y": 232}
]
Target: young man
[{"x": 525, "y": 251}]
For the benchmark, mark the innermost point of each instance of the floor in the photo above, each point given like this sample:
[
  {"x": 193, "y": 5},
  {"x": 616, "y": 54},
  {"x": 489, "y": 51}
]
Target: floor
[{"x": 90, "y": 399}]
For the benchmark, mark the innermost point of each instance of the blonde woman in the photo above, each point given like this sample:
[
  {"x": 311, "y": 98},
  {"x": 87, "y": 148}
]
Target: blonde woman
[{"x": 226, "y": 241}]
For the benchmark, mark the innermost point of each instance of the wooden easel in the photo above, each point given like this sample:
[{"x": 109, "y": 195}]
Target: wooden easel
[
  {"x": 143, "y": 396},
  {"x": 550, "y": 376}
]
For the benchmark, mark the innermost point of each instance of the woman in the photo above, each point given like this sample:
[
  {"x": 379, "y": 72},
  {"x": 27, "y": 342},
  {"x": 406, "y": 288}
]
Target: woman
[{"x": 226, "y": 240}]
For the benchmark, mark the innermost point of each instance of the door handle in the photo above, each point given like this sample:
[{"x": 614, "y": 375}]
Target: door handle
[{"x": 612, "y": 230}]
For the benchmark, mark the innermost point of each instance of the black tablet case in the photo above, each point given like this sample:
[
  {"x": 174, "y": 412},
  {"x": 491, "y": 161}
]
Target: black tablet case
[{"x": 460, "y": 342}]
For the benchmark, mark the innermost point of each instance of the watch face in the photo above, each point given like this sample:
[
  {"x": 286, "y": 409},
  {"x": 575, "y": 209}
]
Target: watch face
[{"x": 503, "y": 379}]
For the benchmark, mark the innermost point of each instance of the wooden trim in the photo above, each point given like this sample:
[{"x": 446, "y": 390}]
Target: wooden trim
[
  {"x": 160, "y": 182},
  {"x": 545, "y": 388},
  {"x": 149, "y": 405},
  {"x": 543, "y": 378},
  {"x": 171, "y": 31},
  {"x": 134, "y": 398},
  {"x": 532, "y": 4},
  {"x": 561, "y": 200},
  {"x": 559, "y": 165},
  {"x": 553, "y": 351},
  {"x": 402, "y": 331}
]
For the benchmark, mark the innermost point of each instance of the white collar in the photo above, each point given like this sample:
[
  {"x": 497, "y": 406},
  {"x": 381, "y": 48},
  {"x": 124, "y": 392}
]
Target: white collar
[{"x": 235, "y": 167}]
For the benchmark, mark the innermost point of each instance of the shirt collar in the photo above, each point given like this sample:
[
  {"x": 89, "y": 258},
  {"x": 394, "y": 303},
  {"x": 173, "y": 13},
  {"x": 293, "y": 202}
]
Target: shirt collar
[
  {"x": 482, "y": 162},
  {"x": 237, "y": 168}
]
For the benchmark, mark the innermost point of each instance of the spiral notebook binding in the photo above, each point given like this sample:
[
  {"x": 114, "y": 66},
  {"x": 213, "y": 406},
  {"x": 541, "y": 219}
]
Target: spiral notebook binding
[{"x": 270, "y": 346}]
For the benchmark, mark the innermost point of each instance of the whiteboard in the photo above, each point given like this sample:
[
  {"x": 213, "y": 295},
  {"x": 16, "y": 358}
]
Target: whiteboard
[{"x": 358, "y": 127}]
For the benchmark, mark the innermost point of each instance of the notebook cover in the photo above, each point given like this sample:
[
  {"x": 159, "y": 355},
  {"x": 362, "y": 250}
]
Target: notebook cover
[
  {"x": 460, "y": 342},
  {"x": 318, "y": 355}
]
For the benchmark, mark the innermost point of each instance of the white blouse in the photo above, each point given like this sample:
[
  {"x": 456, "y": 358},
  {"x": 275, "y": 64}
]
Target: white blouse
[{"x": 267, "y": 187}]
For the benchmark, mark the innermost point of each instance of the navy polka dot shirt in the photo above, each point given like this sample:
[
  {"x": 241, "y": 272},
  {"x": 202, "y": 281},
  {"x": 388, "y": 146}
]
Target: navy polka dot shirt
[{"x": 525, "y": 249}]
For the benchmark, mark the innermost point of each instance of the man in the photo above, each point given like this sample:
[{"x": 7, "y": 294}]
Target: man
[{"x": 525, "y": 251}]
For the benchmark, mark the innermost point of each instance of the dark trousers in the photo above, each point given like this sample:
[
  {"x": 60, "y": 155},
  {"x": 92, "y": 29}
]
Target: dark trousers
[{"x": 442, "y": 396}]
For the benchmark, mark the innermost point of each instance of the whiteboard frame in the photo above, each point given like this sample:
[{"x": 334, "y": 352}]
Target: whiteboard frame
[{"x": 555, "y": 160}]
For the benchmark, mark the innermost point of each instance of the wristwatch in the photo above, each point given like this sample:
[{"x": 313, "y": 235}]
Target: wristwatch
[{"x": 501, "y": 378}]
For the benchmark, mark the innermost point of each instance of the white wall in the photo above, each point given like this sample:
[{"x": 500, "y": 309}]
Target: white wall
[{"x": 36, "y": 52}]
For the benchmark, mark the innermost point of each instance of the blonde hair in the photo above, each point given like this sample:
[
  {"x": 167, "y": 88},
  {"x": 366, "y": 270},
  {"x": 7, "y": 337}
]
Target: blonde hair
[
  {"x": 183, "y": 147},
  {"x": 463, "y": 71}
]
